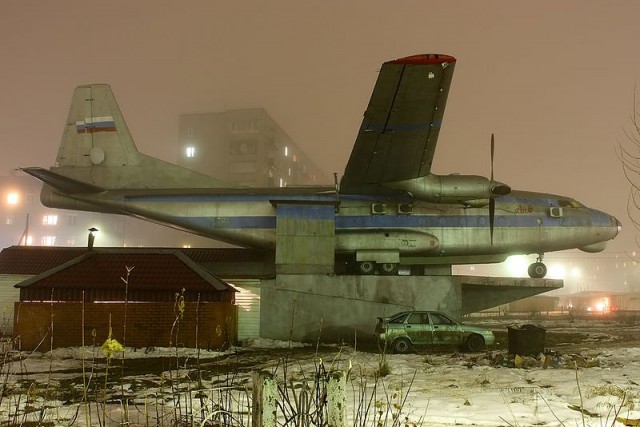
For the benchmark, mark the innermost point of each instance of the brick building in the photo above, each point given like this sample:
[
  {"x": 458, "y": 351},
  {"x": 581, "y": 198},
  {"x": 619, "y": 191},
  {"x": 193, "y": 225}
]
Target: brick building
[{"x": 149, "y": 297}]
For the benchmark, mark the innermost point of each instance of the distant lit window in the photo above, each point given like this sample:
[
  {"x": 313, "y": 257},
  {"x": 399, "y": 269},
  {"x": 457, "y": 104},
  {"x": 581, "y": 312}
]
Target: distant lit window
[
  {"x": 190, "y": 151},
  {"x": 286, "y": 151},
  {"x": 186, "y": 246},
  {"x": 29, "y": 240},
  {"x": 289, "y": 171},
  {"x": 48, "y": 240},
  {"x": 50, "y": 219},
  {"x": 190, "y": 132},
  {"x": 295, "y": 159},
  {"x": 281, "y": 182},
  {"x": 12, "y": 198},
  {"x": 8, "y": 220}
]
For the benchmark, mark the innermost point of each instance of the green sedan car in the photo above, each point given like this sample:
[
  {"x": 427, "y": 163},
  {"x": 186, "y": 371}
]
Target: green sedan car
[{"x": 403, "y": 331}]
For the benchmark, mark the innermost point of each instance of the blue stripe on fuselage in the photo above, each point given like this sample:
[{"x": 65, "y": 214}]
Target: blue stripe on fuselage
[
  {"x": 390, "y": 221},
  {"x": 525, "y": 219}
]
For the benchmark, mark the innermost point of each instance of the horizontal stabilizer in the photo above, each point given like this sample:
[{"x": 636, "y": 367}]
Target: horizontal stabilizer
[{"x": 62, "y": 183}]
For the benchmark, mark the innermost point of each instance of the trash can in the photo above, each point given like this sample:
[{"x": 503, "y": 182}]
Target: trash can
[{"x": 526, "y": 340}]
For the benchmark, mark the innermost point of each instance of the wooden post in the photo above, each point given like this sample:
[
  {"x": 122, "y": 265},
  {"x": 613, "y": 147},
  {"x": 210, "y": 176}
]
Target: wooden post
[
  {"x": 265, "y": 397},
  {"x": 337, "y": 399}
]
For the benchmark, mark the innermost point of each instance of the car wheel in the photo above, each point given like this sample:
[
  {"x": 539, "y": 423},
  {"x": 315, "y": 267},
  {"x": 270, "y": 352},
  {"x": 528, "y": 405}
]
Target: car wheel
[
  {"x": 475, "y": 343},
  {"x": 401, "y": 346}
]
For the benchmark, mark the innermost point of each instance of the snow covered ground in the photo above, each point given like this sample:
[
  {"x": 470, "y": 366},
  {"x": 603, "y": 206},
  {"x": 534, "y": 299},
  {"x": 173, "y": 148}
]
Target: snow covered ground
[{"x": 591, "y": 382}]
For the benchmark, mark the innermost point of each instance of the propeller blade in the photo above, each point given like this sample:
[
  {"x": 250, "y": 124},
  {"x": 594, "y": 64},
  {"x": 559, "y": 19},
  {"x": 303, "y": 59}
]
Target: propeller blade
[
  {"x": 492, "y": 200},
  {"x": 493, "y": 143},
  {"x": 492, "y": 214}
]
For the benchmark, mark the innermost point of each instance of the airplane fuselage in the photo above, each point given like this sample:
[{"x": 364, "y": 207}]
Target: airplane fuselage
[{"x": 395, "y": 229}]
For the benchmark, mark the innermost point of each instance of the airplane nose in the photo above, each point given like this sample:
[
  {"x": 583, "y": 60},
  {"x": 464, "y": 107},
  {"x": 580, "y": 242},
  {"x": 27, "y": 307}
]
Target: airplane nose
[{"x": 617, "y": 224}]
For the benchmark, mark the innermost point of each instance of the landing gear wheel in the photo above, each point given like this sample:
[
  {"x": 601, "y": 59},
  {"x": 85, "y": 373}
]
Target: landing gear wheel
[
  {"x": 475, "y": 343},
  {"x": 388, "y": 268},
  {"x": 537, "y": 270},
  {"x": 401, "y": 346},
  {"x": 366, "y": 267}
]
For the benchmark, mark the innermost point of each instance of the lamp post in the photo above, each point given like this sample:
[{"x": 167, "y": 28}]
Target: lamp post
[{"x": 92, "y": 237}]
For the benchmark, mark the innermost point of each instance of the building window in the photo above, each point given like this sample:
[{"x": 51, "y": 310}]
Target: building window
[
  {"x": 72, "y": 220},
  {"x": 286, "y": 151},
  {"x": 48, "y": 240},
  {"x": 29, "y": 198},
  {"x": 8, "y": 220},
  {"x": 243, "y": 126},
  {"x": 190, "y": 151},
  {"x": 190, "y": 132},
  {"x": 50, "y": 220}
]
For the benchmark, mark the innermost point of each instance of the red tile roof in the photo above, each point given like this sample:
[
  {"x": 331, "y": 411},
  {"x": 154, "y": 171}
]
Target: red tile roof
[
  {"x": 159, "y": 270},
  {"x": 31, "y": 260}
]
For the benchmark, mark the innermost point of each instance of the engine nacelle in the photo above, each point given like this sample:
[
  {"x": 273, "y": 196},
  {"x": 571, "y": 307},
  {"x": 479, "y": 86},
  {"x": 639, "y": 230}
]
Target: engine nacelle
[{"x": 463, "y": 189}]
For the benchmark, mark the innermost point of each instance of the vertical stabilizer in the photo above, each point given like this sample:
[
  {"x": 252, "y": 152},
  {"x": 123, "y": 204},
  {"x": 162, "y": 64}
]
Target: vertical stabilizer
[
  {"x": 95, "y": 132},
  {"x": 97, "y": 149}
]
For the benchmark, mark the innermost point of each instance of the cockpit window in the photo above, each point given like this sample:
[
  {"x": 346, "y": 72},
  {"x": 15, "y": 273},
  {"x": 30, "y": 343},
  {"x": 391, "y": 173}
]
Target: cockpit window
[{"x": 569, "y": 203}]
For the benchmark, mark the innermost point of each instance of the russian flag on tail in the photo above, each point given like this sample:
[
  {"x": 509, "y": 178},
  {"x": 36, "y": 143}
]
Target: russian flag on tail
[{"x": 96, "y": 124}]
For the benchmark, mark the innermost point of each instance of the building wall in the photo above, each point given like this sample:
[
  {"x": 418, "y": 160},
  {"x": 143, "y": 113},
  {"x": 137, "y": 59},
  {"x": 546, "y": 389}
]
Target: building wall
[
  {"x": 148, "y": 324},
  {"x": 244, "y": 147},
  {"x": 248, "y": 303},
  {"x": 9, "y": 295}
]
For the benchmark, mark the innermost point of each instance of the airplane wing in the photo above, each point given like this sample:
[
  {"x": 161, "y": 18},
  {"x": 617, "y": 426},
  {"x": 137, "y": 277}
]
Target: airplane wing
[{"x": 399, "y": 132}]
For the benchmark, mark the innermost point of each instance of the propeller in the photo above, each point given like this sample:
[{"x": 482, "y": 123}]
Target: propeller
[
  {"x": 492, "y": 199},
  {"x": 495, "y": 189}
]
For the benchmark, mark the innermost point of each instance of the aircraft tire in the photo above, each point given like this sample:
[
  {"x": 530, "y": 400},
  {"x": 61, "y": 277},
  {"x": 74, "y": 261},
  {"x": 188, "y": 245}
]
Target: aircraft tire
[
  {"x": 388, "y": 268},
  {"x": 366, "y": 267},
  {"x": 537, "y": 270},
  {"x": 401, "y": 346}
]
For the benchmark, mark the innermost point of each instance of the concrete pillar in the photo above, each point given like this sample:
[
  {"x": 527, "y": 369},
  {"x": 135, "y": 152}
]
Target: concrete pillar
[
  {"x": 305, "y": 238},
  {"x": 265, "y": 400},
  {"x": 337, "y": 399}
]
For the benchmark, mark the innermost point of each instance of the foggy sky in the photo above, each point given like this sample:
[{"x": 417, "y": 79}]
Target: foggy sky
[{"x": 553, "y": 80}]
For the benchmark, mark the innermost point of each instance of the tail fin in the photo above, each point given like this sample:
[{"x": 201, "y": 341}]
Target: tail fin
[
  {"x": 98, "y": 149},
  {"x": 96, "y": 133}
]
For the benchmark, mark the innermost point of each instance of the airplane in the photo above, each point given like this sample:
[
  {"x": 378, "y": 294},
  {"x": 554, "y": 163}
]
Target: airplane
[{"x": 390, "y": 211}]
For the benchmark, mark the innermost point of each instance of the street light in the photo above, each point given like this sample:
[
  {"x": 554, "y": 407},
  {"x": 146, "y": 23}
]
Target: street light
[{"x": 92, "y": 236}]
